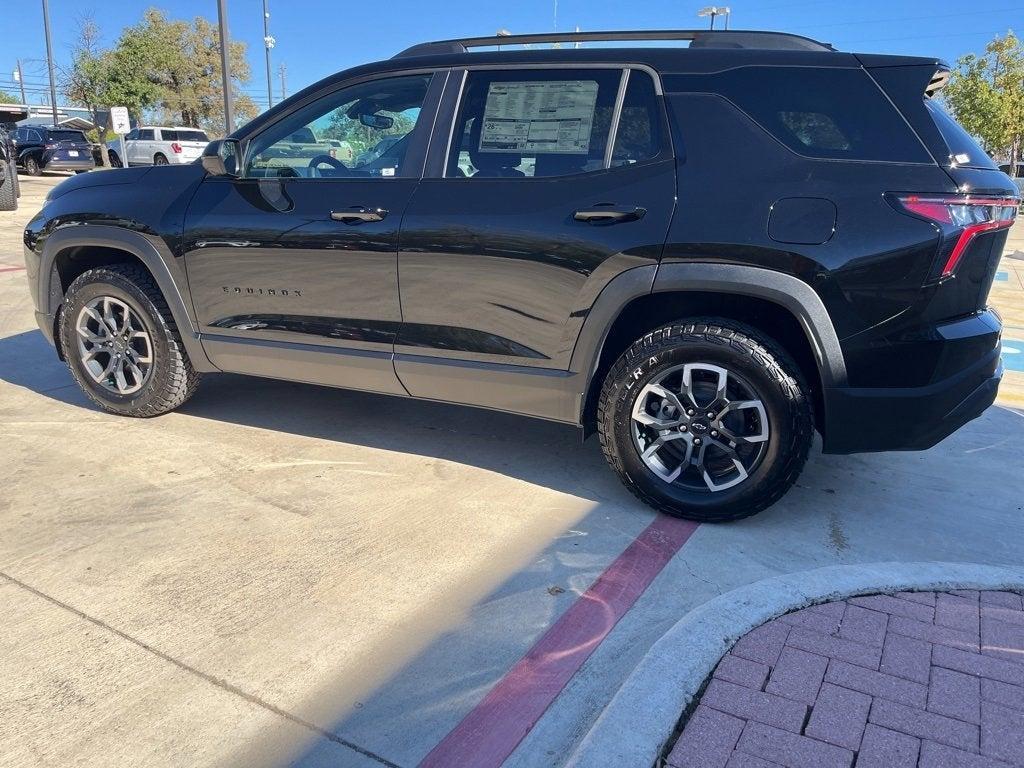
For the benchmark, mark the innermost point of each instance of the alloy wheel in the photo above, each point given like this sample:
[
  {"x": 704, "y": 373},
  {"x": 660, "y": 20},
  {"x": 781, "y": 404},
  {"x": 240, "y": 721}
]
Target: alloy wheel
[
  {"x": 113, "y": 345},
  {"x": 700, "y": 427}
]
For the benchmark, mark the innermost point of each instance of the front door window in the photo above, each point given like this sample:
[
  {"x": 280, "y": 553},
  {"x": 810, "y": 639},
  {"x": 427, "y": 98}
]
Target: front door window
[{"x": 362, "y": 131}]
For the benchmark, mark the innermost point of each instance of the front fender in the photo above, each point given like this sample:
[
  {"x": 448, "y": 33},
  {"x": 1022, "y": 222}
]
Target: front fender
[{"x": 168, "y": 276}]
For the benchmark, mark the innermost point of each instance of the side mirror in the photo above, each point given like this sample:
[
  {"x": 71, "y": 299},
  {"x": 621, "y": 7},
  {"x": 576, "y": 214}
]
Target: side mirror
[
  {"x": 220, "y": 158},
  {"x": 380, "y": 122}
]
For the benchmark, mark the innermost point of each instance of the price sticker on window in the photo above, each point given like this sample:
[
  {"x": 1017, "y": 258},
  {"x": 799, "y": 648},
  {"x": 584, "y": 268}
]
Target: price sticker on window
[{"x": 539, "y": 117}]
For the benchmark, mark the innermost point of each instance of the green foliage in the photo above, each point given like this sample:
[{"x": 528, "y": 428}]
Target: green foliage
[
  {"x": 87, "y": 81},
  {"x": 986, "y": 96},
  {"x": 161, "y": 65},
  {"x": 183, "y": 65},
  {"x": 6, "y": 98},
  {"x": 361, "y": 138}
]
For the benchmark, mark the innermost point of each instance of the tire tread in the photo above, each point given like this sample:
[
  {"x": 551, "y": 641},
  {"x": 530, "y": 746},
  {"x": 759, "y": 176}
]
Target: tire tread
[{"x": 743, "y": 339}]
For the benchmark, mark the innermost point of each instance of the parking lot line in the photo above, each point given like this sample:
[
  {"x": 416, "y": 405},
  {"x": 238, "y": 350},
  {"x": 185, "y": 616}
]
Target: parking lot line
[
  {"x": 5, "y": 268},
  {"x": 492, "y": 730}
]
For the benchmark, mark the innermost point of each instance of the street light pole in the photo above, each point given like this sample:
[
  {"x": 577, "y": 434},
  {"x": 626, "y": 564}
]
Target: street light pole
[
  {"x": 225, "y": 66},
  {"x": 49, "y": 60},
  {"x": 268, "y": 43}
]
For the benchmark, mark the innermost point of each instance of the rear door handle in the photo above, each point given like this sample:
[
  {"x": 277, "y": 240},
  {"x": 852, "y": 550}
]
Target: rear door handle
[
  {"x": 608, "y": 214},
  {"x": 358, "y": 214}
]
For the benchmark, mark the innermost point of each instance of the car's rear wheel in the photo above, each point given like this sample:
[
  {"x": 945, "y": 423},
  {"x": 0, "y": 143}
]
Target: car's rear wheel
[
  {"x": 706, "y": 419},
  {"x": 121, "y": 344},
  {"x": 159, "y": 159},
  {"x": 8, "y": 195},
  {"x": 32, "y": 167}
]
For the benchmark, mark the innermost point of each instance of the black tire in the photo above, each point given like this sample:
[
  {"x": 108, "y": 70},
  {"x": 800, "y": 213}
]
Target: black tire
[
  {"x": 14, "y": 177},
  {"x": 32, "y": 167},
  {"x": 159, "y": 159},
  {"x": 172, "y": 380},
  {"x": 750, "y": 356},
  {"x": 115, "y": 161},
  {"x": 8, "y": 191},
  {"x": 78, "y": 172}
]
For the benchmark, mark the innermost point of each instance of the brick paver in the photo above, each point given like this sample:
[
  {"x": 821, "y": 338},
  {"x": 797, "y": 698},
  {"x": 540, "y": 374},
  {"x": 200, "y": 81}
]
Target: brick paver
[{"x": 915, "y": 679}]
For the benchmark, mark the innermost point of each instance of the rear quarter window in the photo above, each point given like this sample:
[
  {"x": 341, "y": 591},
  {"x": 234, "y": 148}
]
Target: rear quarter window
[{"x": 828, "y": 113}]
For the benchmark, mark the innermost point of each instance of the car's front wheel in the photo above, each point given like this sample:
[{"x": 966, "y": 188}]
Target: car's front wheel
[
  {"x": 121, "y": 344},
  {"x": 115, "y": 160},
  {"x": 706, "y": 419}
]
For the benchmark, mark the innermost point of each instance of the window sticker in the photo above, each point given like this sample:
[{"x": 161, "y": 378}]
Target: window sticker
[{"x": 539, "y": 117}]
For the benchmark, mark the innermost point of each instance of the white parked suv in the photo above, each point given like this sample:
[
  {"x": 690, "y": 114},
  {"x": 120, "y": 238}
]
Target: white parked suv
[{"x": 158, "y": 146}]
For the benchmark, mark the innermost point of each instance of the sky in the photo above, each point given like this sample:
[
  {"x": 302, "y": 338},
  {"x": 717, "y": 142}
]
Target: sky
[{"x": 316, "y": 38}]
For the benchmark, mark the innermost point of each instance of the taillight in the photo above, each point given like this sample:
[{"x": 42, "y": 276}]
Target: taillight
[
  {"x": 175, "y": 147},
  {"x": 960, "y": 219}
]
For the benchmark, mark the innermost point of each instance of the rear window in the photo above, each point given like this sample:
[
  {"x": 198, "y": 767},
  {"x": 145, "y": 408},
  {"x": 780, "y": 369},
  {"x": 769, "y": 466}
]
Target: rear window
[
  {"x": 829, "y": 113},
  {"x": 963, "y": 149},
  {"x": 65, "y": 136},
  {"x": 182, "y": 135}
]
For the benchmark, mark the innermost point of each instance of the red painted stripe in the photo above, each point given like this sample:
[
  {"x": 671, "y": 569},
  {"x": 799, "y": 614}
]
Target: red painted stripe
[
  {"x": 491, "y": 731},
  {"x": 10, "y": 269}
]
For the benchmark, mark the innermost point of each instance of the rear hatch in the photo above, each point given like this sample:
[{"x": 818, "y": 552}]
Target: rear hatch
[
  {"x": 185, "y": 142},
  {"x": 66, "y": 146},
  {"x": 973, "y": 224}
]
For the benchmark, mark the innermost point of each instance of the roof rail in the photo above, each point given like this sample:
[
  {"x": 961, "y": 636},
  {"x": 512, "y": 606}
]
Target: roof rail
[{"x": 701, "y": 38}]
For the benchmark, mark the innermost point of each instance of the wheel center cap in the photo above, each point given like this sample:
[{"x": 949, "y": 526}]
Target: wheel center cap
[{"x": 699, "y": 426}]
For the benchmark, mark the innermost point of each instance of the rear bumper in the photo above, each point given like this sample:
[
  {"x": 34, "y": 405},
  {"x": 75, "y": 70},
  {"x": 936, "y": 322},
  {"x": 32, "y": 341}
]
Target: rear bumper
[
  {"x": 861, "y": 419},
  {"x": 69, "y": 165}
]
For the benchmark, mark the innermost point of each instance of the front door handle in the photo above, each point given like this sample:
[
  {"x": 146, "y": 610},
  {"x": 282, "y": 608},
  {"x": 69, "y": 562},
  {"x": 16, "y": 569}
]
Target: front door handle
[
  {"x": 358, "y": 214},
  {"x": 609, "y": 214}
]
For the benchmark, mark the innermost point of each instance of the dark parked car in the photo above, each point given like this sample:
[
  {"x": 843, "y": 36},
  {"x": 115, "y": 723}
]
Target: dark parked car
[
  {"x": 704, "y": 254},
  {"x": 9, "y": 191},
  {"x": 52, "y": 149}
]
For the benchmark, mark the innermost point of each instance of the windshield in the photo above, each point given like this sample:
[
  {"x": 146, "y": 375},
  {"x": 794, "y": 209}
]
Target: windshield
[{"x": 66, "y": 136}]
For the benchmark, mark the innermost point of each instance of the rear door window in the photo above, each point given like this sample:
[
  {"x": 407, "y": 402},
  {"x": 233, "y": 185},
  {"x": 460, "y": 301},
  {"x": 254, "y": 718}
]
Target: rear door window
[
  {"x": 532, "y": 123},
  {"x": 146, "y": 134}
]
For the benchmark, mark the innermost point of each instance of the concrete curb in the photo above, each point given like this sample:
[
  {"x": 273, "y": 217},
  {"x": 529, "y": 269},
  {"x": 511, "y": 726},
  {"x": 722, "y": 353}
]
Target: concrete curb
[{"x": 634, "y": 727}]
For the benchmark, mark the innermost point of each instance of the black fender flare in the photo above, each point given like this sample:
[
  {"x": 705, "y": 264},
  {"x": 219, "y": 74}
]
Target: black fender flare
[
  {"x": 787, "y": 291},
  {"x": 50, "y": 295}
]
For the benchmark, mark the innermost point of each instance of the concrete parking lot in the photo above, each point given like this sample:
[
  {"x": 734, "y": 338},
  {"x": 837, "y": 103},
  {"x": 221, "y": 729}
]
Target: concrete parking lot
[{"x": 279, "y": 574}]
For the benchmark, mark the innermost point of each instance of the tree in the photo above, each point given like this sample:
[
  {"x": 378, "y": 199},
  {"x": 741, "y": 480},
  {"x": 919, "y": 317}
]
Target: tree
[
  {"x": 6, "y": 98},
  {"x": 87, "y": 80},
  {"x": 183, "y": 63},
  {"x": 986, "y": 96}
]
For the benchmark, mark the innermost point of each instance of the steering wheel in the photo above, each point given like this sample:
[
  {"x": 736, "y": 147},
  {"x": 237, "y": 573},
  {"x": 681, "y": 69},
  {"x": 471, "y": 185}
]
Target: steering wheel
[{"x": 331, "y": 161}]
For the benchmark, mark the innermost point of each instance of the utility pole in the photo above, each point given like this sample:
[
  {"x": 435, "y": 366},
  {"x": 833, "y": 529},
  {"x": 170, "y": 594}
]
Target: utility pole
[
  {"x": 284, "y": 91},
  {"x": 49, "y": 60},
  {"x": 21, "y": 82},
  {"x": 225, "y": 66},
  {"x": 268, "y": 43}
]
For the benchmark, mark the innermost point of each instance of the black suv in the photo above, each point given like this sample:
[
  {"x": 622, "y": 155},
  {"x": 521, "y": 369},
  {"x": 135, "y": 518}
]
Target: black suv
[
  {"x": 52, "y": 149},
  {"x": 705, "y": 254}
]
